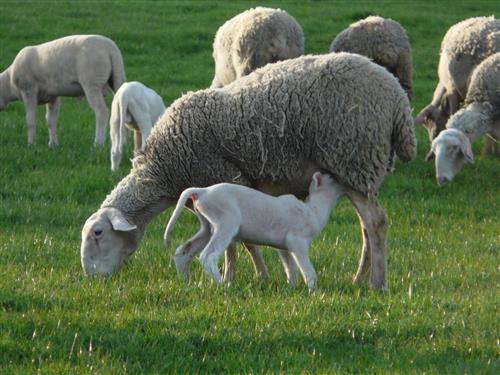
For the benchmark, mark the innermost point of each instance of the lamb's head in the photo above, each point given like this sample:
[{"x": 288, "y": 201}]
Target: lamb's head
[
  {"x": 108, "y": 240},
  {"x": 451, "y": 151},
  {"x": 321, "y": 182}
]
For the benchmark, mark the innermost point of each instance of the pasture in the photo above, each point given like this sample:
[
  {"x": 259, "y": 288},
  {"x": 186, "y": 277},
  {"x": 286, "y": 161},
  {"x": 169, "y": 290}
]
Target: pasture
[{"x": 440, "y": 315}]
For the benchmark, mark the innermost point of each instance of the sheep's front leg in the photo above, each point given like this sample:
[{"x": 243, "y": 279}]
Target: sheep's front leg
[
  {"x": 51, "y": 116},
  {"x": 30, "y": 102},
  {"x": 258, "y": 261},
  {"x": 98, "y": 105}
]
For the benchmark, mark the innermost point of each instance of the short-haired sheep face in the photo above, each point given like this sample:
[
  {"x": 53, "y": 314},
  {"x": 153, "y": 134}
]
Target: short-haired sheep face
[
  {"x": 253, "y": 39},
  {"x": 481, "y": 115},
  {"x": 384, "y": 41},
  {"x": 75, "y": 65},
  {"x": 271, "y": 130},
  {"x": 465, "y": 45}
]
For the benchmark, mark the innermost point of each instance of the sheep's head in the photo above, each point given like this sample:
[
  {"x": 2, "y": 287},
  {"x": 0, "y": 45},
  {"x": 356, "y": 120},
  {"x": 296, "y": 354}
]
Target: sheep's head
[
  {"x": 108, "y": 240},
  {"x": 434, "y": 117},
  {"x": 451, "y": 151}
]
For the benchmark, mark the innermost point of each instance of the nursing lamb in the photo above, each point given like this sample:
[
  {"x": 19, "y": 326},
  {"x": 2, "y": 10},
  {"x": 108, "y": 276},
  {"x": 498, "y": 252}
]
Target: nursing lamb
[{"x": 75, "y": 65}]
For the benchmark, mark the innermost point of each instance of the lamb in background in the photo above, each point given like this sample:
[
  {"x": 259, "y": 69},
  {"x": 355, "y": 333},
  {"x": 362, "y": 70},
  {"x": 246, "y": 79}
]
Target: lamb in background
[
  {"x": 481, "y": 115},
  {"x": 75, "y": 65},
  {"x": 384, "y": 41},
  {"x": 253, "y": 39},
  {"x": 136, "y": 107},
  {"x": 465, "y": 45},
  {"x": 270, "y": 130},
  {"x": 229, "y": 212}
]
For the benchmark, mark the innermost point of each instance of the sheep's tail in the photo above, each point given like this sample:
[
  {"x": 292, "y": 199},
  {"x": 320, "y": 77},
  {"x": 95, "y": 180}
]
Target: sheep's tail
[
  {"x": 404, "y": 141},
  {"x": 118, "y": 76},
  {"x": 191, "y": 193}
]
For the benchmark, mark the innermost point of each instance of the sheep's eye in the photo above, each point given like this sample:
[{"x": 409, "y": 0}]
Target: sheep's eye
[{"x": 97, "y": 232}]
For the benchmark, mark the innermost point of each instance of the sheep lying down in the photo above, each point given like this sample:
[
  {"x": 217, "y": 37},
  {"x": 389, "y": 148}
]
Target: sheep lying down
[
  {"x": 271, "y": 130},
  {"x": 229, "y": 212},
  {"x": 75, "y": 65}
]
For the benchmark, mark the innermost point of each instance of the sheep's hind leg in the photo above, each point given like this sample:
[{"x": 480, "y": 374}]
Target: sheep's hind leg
[
  {"x": 98, "y": 105},
  {"x": 289, "y": 266},
  {"x": 374, "y": 224},
  {"x": 51, "y": 116},
  {"x": 258, "y": 261},
  {"x": 30, "y": 102},
  {"x": 230, "y": 263},
  {"x": 299, "y": 249}
]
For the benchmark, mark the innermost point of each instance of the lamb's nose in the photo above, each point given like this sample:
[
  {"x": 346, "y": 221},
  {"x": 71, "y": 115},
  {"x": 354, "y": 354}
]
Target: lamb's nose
[{"x": 442, "y": 180}]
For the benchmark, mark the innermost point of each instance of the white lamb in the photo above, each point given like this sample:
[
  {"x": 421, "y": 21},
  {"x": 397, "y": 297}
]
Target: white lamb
[
  {"x": 75, "y": 65},
  {"x": 137, "y": 107},
  {"x": 229, "y": 212}
]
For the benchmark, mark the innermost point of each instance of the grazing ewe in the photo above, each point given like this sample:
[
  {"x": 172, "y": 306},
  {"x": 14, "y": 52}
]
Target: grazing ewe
[
  {"x": 137, "y": 107},
  {"x": 253, "y": 39},
  {"x": 229, "y": 212},
  {"x": 339, "y": 113},
  {"x": 384, "y": 41},
  {"x": 464, "y": 46},
  {"x": 481, "y": 114},
  {"x": 71, "y": 66}
]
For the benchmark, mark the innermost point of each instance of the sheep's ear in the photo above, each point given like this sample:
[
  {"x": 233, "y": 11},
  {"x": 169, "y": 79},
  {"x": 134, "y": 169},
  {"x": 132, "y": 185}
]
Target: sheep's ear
[
  {"x": 118, "y": 221},
  {"x": 423, "y": 116},
  {"x": 431, "y": 155},
  {"x": 466, "y": 149},
  {"x": 317, "y": 179}
]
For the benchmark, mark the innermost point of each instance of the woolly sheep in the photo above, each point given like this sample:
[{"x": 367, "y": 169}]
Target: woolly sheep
[
  {"x": 253, "y": 39},
  {"x": 137, "y": 107},
  {"x": 384, "y": 41},
  {"x": 75, "y": 65},
  {"x": 481, "y": 114},
  {"x": 228, "y": 212},
  {"x": 465, "y": 45},
  {"x": 271, "y": 130}
]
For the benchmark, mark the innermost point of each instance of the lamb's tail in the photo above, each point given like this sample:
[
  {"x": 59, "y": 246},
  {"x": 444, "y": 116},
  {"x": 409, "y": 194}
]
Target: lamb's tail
[
  {"x": 118, "y": 76},
  {"x": 193, "y": 193},
  {"x": 404, "y": 141}
]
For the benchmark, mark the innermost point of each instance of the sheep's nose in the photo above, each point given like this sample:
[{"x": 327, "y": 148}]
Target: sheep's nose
[{"x": 442, "y": 180}]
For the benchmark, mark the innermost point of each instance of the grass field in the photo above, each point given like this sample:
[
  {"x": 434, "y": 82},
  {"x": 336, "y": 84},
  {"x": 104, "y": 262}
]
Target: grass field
[{"x": 440, "y": 316}]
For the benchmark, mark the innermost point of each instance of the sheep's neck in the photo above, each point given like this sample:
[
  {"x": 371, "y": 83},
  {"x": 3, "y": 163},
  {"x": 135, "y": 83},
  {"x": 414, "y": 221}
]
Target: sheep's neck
[{"x": 322, "y": 204}]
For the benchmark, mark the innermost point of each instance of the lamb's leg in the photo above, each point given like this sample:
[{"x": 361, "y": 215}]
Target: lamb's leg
[
  {"x": 258, "y": 261},
  {"x": 299, "y": 249},
  {"x": 97, "y": 103},
  {"x": 51, "y": 117},
  {"x": 230, "y": 262},
  {"x": 144, "y": 123},
  {"x": 138, "y": 140},
  {"x": 30, "y": 102},
  {"x": 187, "y": 251},
  {"x": 375, "y": 224},
  {"x": 222, "y": 237},
  {"x": 490, "y": 146},
  {"x": 289, "y": 266}
]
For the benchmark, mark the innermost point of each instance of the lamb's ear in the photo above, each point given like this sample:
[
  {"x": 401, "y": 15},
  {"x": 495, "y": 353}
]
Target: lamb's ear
[
  {"x": 423, "y": 116},
  {"x": 466, "y": 149},
  {"x": 317, "y": 179},
  {"x": 118, "y": 221}
]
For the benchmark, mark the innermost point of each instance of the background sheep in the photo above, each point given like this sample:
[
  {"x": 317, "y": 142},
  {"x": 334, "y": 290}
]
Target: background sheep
[
  {"x": 270, "y": 130},
  {"x": 137, "y": 107},
  {"x": 71, "y": 66},
  {"x": 253, "y": 39},
  {"x": 481, "y": 114},
  {"x": 464, "y": 46},
  {"x": 382, "y": 40}
]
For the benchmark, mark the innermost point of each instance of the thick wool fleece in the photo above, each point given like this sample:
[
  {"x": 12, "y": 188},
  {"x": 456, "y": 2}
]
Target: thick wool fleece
[
  {"x": 485, "y": 83},
  {"x": 253, "y": 39},
  {"x": 341, "y": 112},
  {"x": 384, "y": 41}
]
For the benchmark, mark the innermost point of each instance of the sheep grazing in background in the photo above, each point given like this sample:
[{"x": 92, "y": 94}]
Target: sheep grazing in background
[
  {"x": 229, "y": 212},
  {"x": 338, "y": 113},
  {"x": 253, "y": 39},
  {"x": 384, "y": 41},
  {"x": 71, "y": 66},
  {"x": 136, "y": 107},
  {"x": 481, "y": 114},
  {"x": 464, "y": 47}
]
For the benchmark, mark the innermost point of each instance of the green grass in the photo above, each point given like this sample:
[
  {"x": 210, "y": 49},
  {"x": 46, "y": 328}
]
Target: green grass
[{"x": 440, "y": 316}]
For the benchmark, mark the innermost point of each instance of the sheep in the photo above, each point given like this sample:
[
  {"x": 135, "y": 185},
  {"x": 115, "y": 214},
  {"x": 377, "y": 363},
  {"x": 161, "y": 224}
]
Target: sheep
[
  {"x": 271, "y": 130},
  {"x": 75, "y": 65},
  {"x": 481, "y": 114},
  {"x": 253, "y": 39},
  {"x": 465, "y": 45},
  {"x": 384, "y": 41},
  {"x": 228, "y": 212},
  {"x": 137, "y": 107}
]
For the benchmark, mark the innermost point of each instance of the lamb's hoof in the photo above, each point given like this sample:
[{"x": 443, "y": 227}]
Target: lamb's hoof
[
  {"x": 210, "y": 266},
  {"x": 182, "y": 265}
]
